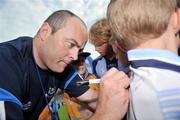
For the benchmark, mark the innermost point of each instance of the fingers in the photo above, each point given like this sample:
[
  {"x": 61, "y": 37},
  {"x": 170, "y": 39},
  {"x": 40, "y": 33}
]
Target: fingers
[
  {"x": 113, "y": 95},
  {"x": 117, "y": 76}
]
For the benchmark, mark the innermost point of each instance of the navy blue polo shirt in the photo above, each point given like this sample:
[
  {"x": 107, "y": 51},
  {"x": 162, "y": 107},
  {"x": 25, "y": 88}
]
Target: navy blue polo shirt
[{"x": 19, "y": 77}]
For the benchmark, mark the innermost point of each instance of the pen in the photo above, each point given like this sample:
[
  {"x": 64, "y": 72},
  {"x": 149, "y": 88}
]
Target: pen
[
  {"x": 87, "y": 82},
  {"x": 92, "y": 81}
]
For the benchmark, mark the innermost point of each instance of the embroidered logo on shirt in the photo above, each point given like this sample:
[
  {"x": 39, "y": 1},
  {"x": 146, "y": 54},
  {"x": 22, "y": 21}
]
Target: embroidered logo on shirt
[{"x": 51, "y": 92}]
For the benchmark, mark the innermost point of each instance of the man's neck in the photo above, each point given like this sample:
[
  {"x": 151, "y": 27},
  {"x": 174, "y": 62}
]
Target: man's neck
[{"x": 36, "y": 53}]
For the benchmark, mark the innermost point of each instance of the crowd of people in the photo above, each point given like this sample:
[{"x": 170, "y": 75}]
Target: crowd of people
[{"x": 138, "y": 67}]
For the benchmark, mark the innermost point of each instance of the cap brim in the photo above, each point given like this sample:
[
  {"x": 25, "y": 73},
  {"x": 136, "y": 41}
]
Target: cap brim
[{"x": 84, "y": 54}]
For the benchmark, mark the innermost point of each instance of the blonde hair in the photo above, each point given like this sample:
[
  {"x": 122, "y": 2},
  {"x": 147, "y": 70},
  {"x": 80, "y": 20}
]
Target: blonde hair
[
  {"x": 100, "y": 32},
  {"x": 135, "y": 21}
]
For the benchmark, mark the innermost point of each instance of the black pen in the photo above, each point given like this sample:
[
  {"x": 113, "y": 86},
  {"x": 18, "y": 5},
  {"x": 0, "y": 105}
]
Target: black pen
[
  {"x": 87, "y": 82},
  {"x": 92, "y": 81}
]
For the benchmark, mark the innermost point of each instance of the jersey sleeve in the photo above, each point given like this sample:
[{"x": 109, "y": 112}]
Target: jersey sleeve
[
  {"x": 11, "y": 71},
  {"x": 11, "y": 79},
  {"x": 12, "y": 111}
]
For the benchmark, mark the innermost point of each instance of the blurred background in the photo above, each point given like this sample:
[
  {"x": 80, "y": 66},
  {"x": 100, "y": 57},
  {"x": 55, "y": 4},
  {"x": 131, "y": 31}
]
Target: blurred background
[{"x": 24, "y": 17}]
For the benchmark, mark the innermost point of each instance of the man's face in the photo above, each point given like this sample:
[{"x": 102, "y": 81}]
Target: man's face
[{"x": 60, "y": 48}]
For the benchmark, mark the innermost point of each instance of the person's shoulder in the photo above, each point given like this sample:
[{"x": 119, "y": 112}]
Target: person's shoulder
[
  {"x": 18, "y": 46},
  {"x": 19, "y": 43},
  {"x": 98, "y": 58}
]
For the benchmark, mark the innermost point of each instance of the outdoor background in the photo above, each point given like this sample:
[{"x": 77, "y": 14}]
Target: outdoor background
[{"x": 24, "y": 17}]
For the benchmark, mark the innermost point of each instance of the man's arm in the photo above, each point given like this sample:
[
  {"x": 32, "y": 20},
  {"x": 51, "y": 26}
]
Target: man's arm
[
  {"x": 113, "y": 97},
  {"x": 12, "y": 74},
  {"x": 12, "y": 111}
]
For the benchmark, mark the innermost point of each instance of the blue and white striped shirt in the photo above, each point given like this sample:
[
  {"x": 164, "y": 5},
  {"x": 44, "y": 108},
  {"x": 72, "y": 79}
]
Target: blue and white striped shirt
[{"x": 155, "y": 85}]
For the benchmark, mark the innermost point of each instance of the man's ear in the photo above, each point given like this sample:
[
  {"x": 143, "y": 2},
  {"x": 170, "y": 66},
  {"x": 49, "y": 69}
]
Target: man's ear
[{"x": 45, "y": 31}]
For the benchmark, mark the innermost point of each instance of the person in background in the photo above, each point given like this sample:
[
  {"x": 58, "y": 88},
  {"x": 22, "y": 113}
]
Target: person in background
[
  {"x": 31, "y": 71},
  {"x": 99, "y": 36},
  {"x": 148, "y": 30},
  {"x": 81, "y": 65},
  {"x": 78, "y": 110}
]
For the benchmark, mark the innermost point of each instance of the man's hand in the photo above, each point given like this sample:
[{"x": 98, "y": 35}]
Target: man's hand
[{"x": 113, "y": 97}]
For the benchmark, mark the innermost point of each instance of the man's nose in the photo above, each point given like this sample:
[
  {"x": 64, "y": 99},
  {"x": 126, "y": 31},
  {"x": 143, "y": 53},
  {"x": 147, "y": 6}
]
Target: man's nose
[{"x": 74, "y": 54}]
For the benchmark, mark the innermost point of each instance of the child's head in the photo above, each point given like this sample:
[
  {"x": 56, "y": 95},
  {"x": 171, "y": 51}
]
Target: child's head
[
  {"x": 100, "y": 32},
  {"x": 99, "y": 36},
  {"x": 80, "y": 63},
  {"x": 136, "y": 21}
]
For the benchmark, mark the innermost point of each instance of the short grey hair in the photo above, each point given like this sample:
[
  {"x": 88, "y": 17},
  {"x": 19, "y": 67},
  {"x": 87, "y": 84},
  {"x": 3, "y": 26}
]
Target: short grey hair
[{"x": 58, "y": 19}]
